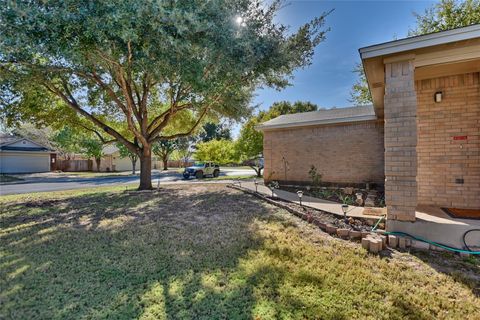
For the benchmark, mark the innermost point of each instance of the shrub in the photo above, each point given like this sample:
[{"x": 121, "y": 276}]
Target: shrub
[{"x": 314, "y": 176}]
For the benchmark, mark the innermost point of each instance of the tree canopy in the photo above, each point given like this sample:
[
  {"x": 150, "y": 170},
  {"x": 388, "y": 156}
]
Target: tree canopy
[
  {"x": 360, "y": 93},
  {"x": 215, "y": 131},
  {"x": 163, "y": 149},
  {"x": 446, "y": 15},
  {"x": 218, "y": 151},
  {"x": 140, "y": 71}
]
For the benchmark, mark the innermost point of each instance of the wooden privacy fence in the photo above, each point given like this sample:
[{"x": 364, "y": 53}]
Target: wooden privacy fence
[
  {"x": 171, "y": 164},
  {"x": 74, "y": 165}
]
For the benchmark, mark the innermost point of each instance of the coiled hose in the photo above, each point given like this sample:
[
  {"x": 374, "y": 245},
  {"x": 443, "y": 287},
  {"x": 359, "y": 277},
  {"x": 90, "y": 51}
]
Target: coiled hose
[{"x": 443, "y": 246}]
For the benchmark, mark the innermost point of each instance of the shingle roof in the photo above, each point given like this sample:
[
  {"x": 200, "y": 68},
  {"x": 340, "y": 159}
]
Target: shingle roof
[
  {"x": 6, "y": 138},
  {"x": 6, "y": 141},
  {"x": 328, "y": 116}
]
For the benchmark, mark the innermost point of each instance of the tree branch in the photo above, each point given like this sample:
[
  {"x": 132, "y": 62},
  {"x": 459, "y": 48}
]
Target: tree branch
[
  {"x": 75, "y": 106},
  {"x": 189, "y": 132}
]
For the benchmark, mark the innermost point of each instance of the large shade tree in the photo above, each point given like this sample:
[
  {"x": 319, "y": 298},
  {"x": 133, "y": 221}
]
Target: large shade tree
[{"x": 143, "y": 63}]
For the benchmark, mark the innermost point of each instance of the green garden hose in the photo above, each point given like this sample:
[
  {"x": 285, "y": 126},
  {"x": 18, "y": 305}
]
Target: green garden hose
[{"x": 443, "y": 246}]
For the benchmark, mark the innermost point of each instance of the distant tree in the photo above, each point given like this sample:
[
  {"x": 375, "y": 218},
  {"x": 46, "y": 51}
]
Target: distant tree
[
  {"x": 125, "y": 153},
  {"x": 360, "y": 93},
  {"x": 219, "y": 151},
  {"x": 213, "y": 131},
  {"x": 184, "y": 149},
  {"x": 67, "y": 142},
  {"x": 144, "y": 63},
  {"x": 249, "y": 145},
  {"x": 286, "y": 107},
  {"x": 92, "y": 147},
  {"x": 444, "y": 15},
  {"x": 164, "y": 149}
]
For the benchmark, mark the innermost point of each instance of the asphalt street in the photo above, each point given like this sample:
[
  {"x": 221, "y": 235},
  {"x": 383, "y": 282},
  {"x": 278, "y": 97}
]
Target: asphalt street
[{"x": 66, "y": 183}]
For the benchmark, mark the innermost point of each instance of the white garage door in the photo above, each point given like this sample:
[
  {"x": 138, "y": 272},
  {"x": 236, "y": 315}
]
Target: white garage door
[
  {"x": 24, "y": 162},
  {"x": 124, "y": 164}
]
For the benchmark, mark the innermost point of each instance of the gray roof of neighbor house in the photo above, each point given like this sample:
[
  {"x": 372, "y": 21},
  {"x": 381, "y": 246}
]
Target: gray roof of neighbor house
[
  {"x": 6, "y": 141},
  {"x": 6, "y": 138},
  {"x": 327, "y": 116}
]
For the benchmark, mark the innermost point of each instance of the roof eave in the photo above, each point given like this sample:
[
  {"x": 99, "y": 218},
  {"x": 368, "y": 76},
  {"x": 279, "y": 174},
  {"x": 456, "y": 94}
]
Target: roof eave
[
  {"x": 422, "y": 41},
  {"x": 315, "y": 122}
]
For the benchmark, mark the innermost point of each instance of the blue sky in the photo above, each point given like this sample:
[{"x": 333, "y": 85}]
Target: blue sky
[{"x": 354, "y": 24}]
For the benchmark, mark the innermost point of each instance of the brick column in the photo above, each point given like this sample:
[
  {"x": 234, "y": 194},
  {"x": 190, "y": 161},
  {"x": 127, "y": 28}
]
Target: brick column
[{"x": 400, "y": 141}]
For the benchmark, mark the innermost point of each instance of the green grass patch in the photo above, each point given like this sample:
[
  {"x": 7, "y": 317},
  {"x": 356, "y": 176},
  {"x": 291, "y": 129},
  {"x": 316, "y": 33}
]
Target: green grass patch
[{"x": 206, "y": 252}]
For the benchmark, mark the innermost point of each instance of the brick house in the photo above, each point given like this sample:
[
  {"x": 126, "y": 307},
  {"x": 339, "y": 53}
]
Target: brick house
[{"x": 421, "y": 136}]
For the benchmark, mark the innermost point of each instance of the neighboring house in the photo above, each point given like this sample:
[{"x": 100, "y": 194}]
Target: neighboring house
[
  {"x": 421, "y": 135},
  {"x": 111, "y": 160},
  {"x": 21, "y": 155},
  {"x": 344, "y": 144}
]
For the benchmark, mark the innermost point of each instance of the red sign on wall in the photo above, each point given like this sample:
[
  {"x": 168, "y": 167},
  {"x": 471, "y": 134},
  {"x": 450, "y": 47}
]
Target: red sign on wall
[{"x": 460, "y": 137}]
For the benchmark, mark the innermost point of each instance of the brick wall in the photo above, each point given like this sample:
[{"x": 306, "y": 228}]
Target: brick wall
[
  {"x": 347, "y": 153},
  {"x": 441, "y": 159},
  {"x": 400, "y": 141}
]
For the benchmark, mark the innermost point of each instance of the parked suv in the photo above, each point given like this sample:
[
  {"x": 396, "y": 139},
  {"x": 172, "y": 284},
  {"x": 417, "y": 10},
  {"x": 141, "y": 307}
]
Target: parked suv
[{"x": 201, "y": 169}]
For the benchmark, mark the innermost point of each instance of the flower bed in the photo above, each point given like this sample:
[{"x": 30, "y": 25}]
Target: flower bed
[
  {"x": 340, "y": 195},
  {"x": 353, "y": 228}
]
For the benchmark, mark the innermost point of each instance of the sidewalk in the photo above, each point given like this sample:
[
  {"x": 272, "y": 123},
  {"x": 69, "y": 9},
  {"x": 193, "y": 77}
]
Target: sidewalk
[{"x": 315, "y": 203}]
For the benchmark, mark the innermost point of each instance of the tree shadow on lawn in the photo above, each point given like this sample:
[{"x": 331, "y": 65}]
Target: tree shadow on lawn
[
  {"x": 169, "y": 254},
  {"x": 191, "y": 252}
]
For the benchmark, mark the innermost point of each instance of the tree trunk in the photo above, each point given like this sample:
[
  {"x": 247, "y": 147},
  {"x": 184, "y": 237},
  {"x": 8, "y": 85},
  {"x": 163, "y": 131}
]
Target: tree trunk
[
  {"x": 98, "y": 162},
  {"x": 146, "y": 169},
  {"x": 258, "y": 171},
  {"x": 165, "y": 163},
  {"x": 134, "y": 163}
]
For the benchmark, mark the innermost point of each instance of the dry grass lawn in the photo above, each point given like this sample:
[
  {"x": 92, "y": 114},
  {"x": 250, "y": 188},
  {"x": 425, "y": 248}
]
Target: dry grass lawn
[{"x": 207, "y": 252}]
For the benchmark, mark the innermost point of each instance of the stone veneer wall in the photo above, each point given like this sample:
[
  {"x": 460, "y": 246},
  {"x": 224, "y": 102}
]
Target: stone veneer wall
[
  {"x": 346, "y": 153},
  {"x": 441, "y": 158}
]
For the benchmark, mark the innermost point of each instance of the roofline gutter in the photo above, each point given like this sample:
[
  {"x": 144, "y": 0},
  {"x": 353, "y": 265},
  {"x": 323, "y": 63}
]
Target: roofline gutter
[
  {"x": 262, "y": 127},
  {"x": 422, "y": 41}
]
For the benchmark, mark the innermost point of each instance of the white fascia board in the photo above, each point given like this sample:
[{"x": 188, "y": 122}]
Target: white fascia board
[
  {"x": 418, "y": 42},
  {"x": 316, "y": 122}
]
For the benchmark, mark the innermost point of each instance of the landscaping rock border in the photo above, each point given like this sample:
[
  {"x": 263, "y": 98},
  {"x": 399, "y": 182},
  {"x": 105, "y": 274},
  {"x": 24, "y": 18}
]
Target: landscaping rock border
[
  {"x": 373, "y": 242},
  {"x": 340, "y": 232}
]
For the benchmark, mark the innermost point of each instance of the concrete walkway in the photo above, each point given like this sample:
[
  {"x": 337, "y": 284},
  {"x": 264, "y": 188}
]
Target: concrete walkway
[{"x": 315, "y": 203}]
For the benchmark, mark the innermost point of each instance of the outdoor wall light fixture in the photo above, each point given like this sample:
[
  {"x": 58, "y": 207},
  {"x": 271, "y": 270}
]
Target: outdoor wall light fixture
[
  {"x": 256, "y": 184},
  {"x": 345, "y": 209},
  {"x": 438, "y": 96},
  {"x": 300, "y": 195}
]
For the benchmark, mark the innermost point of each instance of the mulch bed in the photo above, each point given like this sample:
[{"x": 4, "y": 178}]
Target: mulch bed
[
  {"x": 333, "y": 194},
  {"x": 317, "y": 217}
]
